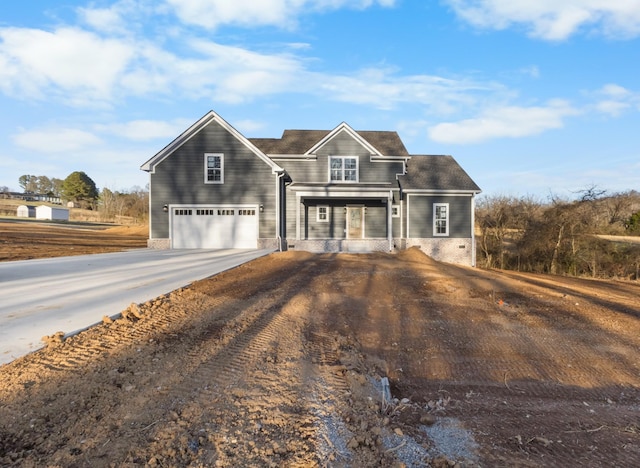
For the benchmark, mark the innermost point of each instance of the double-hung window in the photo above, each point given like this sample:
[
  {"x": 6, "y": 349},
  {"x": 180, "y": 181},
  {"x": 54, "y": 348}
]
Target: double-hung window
[
  {"x": 322, "y": 215},
  {"x": 343, "y": 169},
  {"x": 440, "y": 219},
  {"x": 214, "y": 168}
]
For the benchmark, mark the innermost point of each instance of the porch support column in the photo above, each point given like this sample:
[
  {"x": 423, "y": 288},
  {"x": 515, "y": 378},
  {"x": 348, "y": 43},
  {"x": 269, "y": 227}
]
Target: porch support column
[
  {"x": 298, "y": 203},
  {"x": 390, "y": 220}
]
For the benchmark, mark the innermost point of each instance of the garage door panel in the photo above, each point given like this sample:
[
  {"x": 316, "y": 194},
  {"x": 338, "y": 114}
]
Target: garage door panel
[{"x": 214, "y": 227}]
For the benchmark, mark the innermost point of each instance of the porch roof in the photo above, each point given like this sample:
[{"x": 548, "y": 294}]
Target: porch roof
[{"x": 321, "y": 190}]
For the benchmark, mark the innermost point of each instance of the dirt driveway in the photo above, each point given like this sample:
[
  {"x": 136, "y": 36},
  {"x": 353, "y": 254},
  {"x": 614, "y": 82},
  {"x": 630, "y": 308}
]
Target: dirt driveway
[{"x": 282, "y": 362}]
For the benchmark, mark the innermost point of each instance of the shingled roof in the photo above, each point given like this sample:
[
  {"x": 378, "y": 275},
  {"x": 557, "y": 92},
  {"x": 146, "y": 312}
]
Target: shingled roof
[
  {"x": 428, "y": 172},
  {"x": 300, "y": 141}
]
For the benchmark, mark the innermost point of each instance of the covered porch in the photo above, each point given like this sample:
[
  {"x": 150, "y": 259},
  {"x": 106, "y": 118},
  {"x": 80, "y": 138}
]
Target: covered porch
[{"x": 342, "y": 218}]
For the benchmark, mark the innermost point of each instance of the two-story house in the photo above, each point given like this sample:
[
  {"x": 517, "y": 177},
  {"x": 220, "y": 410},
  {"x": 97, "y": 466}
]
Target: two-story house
[{"x": 337, "y": 190}]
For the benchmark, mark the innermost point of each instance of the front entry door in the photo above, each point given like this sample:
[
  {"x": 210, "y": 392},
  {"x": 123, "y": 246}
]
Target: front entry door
[{"x": 355, "y": 222}]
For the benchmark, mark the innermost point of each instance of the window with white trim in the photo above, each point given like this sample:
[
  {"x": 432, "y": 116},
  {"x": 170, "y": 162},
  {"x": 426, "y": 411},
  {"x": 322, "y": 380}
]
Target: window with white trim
[
  {"x": 322, "y": 215},
  {"x": 440, "y": 219},
  {"x": 214, "y": 168},
  {"x": 343, "y": 169}
]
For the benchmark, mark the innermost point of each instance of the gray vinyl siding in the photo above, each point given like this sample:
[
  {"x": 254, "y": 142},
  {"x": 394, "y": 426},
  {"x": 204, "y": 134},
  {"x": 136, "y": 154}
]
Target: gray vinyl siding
[
  {"x": 333, "y": 228},
  {"x": 421, "y": 216},
  {"x": 179, "y": 179},
  {"x": 375, "y": 219},
  {"x": 289, "y": 215},
  {"x": 317, "y": 170},
  {"x": 396, "y": 223}
]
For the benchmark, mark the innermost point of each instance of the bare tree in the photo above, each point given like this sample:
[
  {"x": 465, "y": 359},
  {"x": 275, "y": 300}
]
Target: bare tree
[
  {"x": 560, "y": 236},
  {"x": 133, "y": 203},
  {"x": 502, "y": 221},
  {"x": 28, "y": 183}
]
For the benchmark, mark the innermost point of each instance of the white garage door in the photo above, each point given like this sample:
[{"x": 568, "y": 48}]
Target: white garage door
[{"x": 214, "y": 227}]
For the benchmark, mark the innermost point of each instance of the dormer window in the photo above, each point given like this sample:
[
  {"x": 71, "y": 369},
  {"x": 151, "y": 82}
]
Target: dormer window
[{"x": 343, "y": 169}]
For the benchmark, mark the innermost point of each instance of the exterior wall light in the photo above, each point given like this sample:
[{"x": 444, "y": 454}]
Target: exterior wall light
[
  {"x": 261, "y": 208},
  {"x": 165, "y": 208}
]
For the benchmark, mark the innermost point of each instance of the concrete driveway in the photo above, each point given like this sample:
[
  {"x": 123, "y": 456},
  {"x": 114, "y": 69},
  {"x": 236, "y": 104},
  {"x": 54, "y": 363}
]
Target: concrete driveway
[{"x": 41, "y": 297}]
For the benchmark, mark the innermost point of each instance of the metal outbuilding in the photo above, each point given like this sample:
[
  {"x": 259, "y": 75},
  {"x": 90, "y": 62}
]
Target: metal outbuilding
[
  {"x": 26, "y": 211},
  {"x": 52, "y": 213}
]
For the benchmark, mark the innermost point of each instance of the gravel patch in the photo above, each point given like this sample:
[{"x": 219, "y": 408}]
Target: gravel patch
[
  {"x": 406, "y": 449},
  {"x": 451, "y": 440}
]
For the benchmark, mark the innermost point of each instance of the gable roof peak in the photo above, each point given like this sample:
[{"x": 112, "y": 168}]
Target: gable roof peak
[
  {"x": 205, "y": 120},
  {"x": 346, "y": 128}
]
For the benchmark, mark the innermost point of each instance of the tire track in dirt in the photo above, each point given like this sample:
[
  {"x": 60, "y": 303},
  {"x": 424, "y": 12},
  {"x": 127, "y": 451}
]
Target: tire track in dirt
[
  {"x": 537, "y": 358},
  {"x": 217, "y": 366},
  {"x": 109, "y": 378},
  {"x": 567, "y": 344},
  {"x": 273, "y": 365},
  {"x": 262, "y": 379},
  {"x": 115, "y": 333},
  {"x": 157, "y": 319},
  {"x": 254, "y": 380},
  {"x": 330, "y": 395},
  {"x": 270, "y": 384},
  {"x": 227, "y": 323}
]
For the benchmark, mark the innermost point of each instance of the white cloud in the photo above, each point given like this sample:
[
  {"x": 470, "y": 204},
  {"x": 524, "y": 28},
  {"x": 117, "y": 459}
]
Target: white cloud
[
  {"x": 612, "y": 108},
  {"x": 68, "y": 61},
  {"x": 56, "y": 140},
  {"x": 123, "y": 17},
  {"x": 383, "y": 89},
  {"x": 85, "y": 68},
  {"x": 145, "y": 130},
  {"x": 103, "y": 19},
  {"x": 233, "y": 74},
  {"x": 251, "y": 13},
  {"x": 503, "y": 122},
  {"x": 614, "y": 90},
  {"x": 82, "y": 68},
  {"x": 614, "y": 100},
  {"x": 553, "y": 19}
]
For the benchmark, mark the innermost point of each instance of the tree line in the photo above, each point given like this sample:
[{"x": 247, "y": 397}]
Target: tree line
[
  {"x": 80, "y": 189},
  {"x": 40, "y": 184},
  {"x": 558, "y": 236}
]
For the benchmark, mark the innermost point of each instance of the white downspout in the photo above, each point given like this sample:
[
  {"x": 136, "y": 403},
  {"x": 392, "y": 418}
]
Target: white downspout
[
  {"x": 278, "y": 214},
  {"x": 150, "y": 216},
  {"x": 390, "y": 220},
  {"x": 473, "y": 230},
  {"x": 401, "y": 220}
]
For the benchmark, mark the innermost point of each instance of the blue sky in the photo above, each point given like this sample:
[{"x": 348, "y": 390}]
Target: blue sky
[{"x": 532, "y": 97}]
